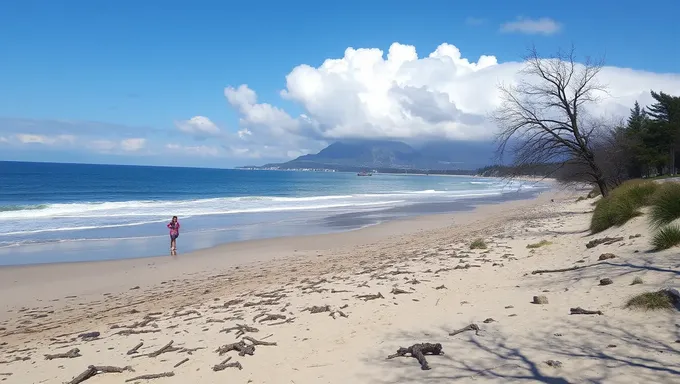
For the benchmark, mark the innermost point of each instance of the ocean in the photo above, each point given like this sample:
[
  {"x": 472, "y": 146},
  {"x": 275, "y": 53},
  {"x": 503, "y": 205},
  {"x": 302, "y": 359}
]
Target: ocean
[{"x": 76, "y": 212}]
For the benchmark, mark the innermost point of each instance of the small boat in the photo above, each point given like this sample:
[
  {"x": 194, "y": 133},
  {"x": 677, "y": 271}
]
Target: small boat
[{"x": 364, "y": 174}]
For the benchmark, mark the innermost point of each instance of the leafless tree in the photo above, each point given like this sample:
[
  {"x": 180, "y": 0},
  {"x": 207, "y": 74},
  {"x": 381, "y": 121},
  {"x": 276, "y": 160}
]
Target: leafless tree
[{"x": 542, "y": 118}]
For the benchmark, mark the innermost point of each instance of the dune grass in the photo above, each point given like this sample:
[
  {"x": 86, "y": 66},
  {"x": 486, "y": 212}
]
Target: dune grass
[
  {"x": 540, "y": 244},
  {"x": 650, "y": 301},
  {"x": 665, "y": 205},
  {"x": 666, "y": 237},
  {"x": 622, "y": 204},
  {"x": 637, "y": 280},
  {"x": 478, "y": 244}
]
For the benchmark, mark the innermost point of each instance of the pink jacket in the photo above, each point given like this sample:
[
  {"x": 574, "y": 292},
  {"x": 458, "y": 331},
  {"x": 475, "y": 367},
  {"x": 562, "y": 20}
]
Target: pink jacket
[{"x": 174, "y": 228}]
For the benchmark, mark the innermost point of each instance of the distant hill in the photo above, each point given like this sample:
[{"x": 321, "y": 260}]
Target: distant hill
[{"x": 351, "y": 155}]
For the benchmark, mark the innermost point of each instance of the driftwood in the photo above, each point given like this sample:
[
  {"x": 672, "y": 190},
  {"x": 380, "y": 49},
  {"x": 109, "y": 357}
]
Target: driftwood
[
  {"x": 581, "y": 311},
  {"x": 135, "y": 348},
  {"x": 269, "y": 317},
  {"x": 240, "y": 329},
  {"x": 186, "y": 313},
  {"x": 166, "y": 348},
  {"x": 242, "y": 348},
  {"x": 139, "y": 324},
  {"x": 441, "y": 287},
  {"x": 259, "y": 342},
  {"x": 151, "y": 376},
  {"x": 326, "y": 308},
  {"x": 471, "y": 327},
  {"x": 128, "y": 332},
  {"x": 226, "y": 364},
  {"x": 539, "y": 271},
  {"x": 418, "y": 351},
  {"x": 181, "y": 362},
  {"x": 262, "y": 302},
  {"x": 71, "y": 354},
  {"x": 89, "y": 336},
  {"x": 288, "y": 320},
  {"x": 371, "y": 297},
  {"x": 606, "y": 241},
  {"x": 94, "y": 370},
  {"x": 397, "y": 291}
]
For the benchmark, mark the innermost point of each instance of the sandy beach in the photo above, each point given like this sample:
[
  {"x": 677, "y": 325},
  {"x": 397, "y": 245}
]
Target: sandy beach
[{"x": 332, "y": 308}]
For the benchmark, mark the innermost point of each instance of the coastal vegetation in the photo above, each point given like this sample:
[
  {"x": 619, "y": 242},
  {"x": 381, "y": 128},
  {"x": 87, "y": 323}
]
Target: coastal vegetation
[
  {"x": 546, "y": 128},
  {"x": 662, "y": 299}
]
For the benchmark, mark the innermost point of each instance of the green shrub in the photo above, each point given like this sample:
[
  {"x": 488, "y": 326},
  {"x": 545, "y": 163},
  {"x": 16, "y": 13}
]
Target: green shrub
[
  {"x": 666, "y": 237},
  {"x": 478, "y": 244},
  {"x": 540, "y": 244},
  {"x": 652, "y": 300},
  {"x": 665, "y": 205},
  {"x": 622, "y": 204}
]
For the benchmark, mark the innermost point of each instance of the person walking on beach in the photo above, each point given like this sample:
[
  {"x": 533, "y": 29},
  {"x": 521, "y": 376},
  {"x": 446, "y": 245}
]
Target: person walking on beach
[{"x": 174, "y": 233}]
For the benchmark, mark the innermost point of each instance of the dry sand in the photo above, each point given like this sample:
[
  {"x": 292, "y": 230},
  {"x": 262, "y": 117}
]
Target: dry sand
[{"x": 429, "y": 283}]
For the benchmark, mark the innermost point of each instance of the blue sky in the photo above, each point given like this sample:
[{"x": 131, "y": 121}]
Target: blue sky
[{"x": 111, "y": 71}]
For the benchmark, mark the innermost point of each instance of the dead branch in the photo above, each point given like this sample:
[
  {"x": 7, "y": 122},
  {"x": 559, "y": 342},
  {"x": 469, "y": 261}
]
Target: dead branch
[
  {"x": 93, "y": 370},
  {"x": 605, "y": 240},
  {"x": 89, "y": 336},
  {"x": 259, "y": 342},
  {"x": 242, "y": 348},
  {"x": 186, "y": 313},
  {"x": 128, "y": 332},
  {"x": 397, "y": 291},
  {"x": 370, "y": 297},
  {"x": 287, "y": 321},
  {"x": 581, "y": 311},
  {"x": 71, "y": 354},
  {"x": 241, "y": 329},
  {"x": 441, "y": 287},
  {"x": 471, "y": 327},
  {"x": 181, "y": 362},
  {"x": 135, "y": 348},
  {"x": 262, "y": 302},
  {"x": 418, "y": 351},
  {"x": 225, "y": 364},
  {"x": 166, "y": 348},
  {"x": 270, "y": 317},
  {"x": 541, "y": 271},
  {"x": 151, "y": 376}
]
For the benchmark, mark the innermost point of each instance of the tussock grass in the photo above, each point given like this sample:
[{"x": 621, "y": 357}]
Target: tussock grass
[
  {"x": 665, "y": 205},
  {"x": 637, "y": 280},
  {"x": 540, "y": 244},
  {"x": 622, "y": 204},
  {"x": 650, "y": 301},
  {"x": 666, "y": 237},
  {"x": 478, "y": 244}
]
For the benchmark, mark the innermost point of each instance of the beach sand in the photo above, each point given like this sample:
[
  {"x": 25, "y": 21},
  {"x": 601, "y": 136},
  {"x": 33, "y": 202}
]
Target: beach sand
[{"x": 311, "y": 296}]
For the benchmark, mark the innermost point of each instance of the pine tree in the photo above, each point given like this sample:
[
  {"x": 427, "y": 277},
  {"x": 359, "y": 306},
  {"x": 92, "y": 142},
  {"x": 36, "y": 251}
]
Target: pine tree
[{"x": 665, "y": 115}]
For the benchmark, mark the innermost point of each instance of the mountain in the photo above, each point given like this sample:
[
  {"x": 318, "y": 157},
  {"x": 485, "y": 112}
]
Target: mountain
[{"x": 351, "y": 155}]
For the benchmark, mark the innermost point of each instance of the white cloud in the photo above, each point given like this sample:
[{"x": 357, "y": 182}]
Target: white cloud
[
  {"x": 198, "y": 126},
  {"x": 402, "y": 96},
  {"x": 196, "y": 150},
  {"x": 27, "y": 138},
  {"x": 102, "y": 145},
  {"x": 133, "y": 144},
  {"x": 4, "y": 140},
  {"x": 542, "y": 26}
]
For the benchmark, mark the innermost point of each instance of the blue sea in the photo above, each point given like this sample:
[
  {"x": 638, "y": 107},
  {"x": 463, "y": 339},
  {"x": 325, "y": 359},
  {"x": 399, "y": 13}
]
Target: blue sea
[{"x": 76, "y": 212}]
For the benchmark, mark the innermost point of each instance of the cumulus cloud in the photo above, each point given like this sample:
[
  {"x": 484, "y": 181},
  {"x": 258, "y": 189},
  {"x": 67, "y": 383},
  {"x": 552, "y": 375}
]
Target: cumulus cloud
[
  {"x": 442, "y": 95},
  {"x": 199, "y": 126},
  {"x": 133, "y": 144},
  {"x": 542, "y": 26},
  {"x": 363, "y": 93}
]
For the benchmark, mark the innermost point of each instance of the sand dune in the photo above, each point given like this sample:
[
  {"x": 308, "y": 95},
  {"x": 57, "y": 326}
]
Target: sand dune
[{"x": 331, "y": 309}]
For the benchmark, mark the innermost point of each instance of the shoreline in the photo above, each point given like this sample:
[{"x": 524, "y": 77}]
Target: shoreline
[
  {"x": 310, "y": 223},
  {"x": 66, "y": 278}
]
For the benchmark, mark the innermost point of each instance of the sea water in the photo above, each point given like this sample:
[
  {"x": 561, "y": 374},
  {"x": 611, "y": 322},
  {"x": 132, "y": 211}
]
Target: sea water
[{"x": 76, "y": 212}]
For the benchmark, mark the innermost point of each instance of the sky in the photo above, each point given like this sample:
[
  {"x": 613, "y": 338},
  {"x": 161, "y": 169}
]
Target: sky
[{"x": 222, "y": 84}]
